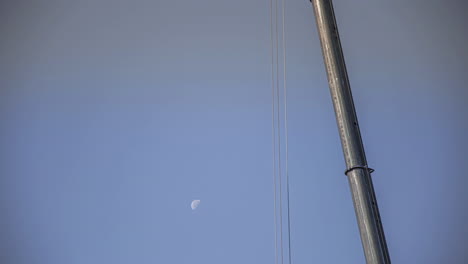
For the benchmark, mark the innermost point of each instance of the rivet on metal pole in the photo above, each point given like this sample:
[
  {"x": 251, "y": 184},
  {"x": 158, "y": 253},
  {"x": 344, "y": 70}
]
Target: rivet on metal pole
[{"x": 362, "y": 190}]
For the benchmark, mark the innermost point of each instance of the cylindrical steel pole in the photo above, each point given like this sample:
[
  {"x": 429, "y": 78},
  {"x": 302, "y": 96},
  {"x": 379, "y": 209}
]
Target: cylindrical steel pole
[{"x": 365, "y": 204}]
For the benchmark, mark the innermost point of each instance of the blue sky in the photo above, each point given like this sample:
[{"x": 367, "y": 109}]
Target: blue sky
[{"x": 115, "y": 115}]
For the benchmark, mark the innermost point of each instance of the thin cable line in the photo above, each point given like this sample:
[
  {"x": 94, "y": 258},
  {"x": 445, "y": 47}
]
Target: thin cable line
[
  {"x": 279, "y": 136},
  {"x": 273, "y": 131},
  {"x": 285, "y": 97}
]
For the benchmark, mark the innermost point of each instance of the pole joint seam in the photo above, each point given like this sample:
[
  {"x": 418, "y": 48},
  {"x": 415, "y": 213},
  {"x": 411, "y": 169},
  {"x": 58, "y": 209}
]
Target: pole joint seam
[{"x": 370, "y": 170}]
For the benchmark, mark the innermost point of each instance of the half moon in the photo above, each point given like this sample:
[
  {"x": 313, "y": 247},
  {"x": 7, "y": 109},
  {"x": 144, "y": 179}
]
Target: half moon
[{"x": 194, "y": 204}]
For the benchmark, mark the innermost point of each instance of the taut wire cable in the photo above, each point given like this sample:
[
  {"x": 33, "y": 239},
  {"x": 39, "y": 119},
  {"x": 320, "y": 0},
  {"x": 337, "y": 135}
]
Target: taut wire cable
[
  {"x": 285, "y": 97},
  {"x": 276, "y": 131},
  {"x": 273, "y": 131},
  {"x": 279, "y": 136}
]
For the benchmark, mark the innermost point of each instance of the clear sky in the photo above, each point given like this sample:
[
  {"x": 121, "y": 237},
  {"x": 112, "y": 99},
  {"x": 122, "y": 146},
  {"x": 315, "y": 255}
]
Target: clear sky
[{"x": 116, "y": 114}]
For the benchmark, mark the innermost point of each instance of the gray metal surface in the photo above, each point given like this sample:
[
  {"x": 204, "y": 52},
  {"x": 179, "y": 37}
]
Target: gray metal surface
[{"x": 365, "y": 204}]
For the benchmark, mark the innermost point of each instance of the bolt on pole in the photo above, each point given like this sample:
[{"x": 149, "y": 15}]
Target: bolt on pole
[{"x": 362, "y": 190}]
